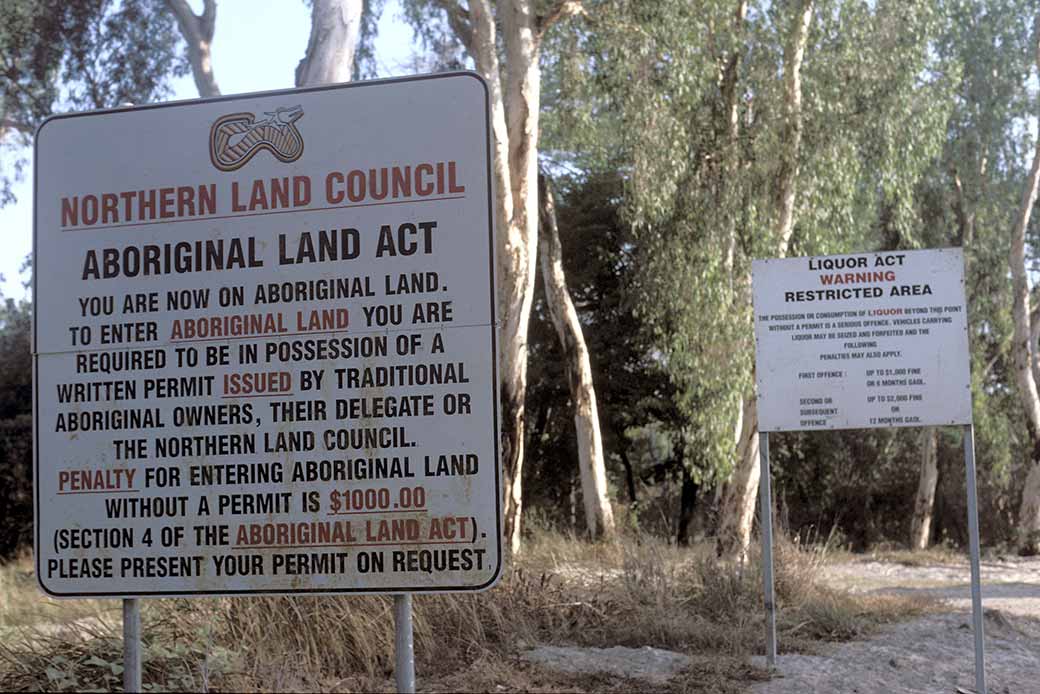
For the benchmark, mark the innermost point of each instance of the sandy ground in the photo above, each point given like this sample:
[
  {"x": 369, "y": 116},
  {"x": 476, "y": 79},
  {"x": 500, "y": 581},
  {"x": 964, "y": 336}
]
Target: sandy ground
[{"x": 934, "y": 654}]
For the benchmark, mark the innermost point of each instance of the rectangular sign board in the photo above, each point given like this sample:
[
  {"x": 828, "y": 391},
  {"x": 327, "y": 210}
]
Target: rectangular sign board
[
  {"x": 862, "y": 341},
  {"x": 265, "y": 348}
]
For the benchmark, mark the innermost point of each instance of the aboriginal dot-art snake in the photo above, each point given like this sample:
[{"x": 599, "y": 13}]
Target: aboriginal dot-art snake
[{"x": 237, "y": 137}]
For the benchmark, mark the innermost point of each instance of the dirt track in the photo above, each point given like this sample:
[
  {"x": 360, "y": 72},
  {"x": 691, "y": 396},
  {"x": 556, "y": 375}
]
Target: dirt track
[{"x": 934, "y": 654}]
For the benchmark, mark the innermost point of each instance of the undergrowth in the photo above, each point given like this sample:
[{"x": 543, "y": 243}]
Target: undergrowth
[{"x": 636, "y": 592}]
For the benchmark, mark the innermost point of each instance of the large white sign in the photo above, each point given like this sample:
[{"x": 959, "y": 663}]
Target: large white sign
[
  {"x": 265, "y": 344},
  {"x": 858, "y": 341}
]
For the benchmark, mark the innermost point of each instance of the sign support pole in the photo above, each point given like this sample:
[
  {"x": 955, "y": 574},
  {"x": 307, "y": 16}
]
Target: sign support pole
[
  {"x": 131, "y": 645},
  {"x": 976, "y": 572},
  {"x": 404, "y": 647},
  {"x": 765, "y": 495}
]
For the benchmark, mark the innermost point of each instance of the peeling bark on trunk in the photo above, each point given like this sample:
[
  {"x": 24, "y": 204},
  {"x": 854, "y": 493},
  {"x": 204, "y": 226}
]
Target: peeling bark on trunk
[
  {"x": 738, "y": 501},
  {"x": 599, "y": 516},
  {"x": 1023, "y": 349},
  {"x": 197, "y": 31},
  {"x": 738, "y": 506},
  {"x": 335, "y": 27},
  {"x": 512, "y": 452},
  {"x": 924, "y": 505},
  {"x": 515, "y": 99},
  {"x": 516, "y": 246}
]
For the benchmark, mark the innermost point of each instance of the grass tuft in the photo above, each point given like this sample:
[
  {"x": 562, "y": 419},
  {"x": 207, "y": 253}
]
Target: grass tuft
[{"x": 637, "y": 592}]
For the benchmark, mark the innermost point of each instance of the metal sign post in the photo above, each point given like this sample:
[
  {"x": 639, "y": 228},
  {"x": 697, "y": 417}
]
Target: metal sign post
[
  {"x": 131, "y": 645},
  {"x": 404, "y": 647},
  {"x": 766, "y": 497},
  {"x": 976, "y": 572}
]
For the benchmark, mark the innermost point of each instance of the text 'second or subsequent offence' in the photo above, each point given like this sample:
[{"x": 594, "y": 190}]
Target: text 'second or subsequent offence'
[
  {"x": 265, "y": 347},
  {"x": 858, "y": 341}
]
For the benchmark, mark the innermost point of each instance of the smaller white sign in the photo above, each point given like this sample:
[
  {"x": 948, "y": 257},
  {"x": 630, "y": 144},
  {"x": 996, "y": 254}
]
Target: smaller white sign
[{"x": 862, "y": 341}]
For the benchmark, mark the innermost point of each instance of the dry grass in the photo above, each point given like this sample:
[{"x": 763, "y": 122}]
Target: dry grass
[
  {"x": 937, "y": 555},
  {"x": 21, "y": 603},
  {"x": 638, "y": 592}
]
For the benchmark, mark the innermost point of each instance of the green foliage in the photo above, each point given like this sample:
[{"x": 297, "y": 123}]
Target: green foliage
[
  {"x": 913, "y": 136},
  {"x": 16, "y": 484},
  {"x": 16, "y": 451},
  {"x": 15, "y": 359},
  {"x": 83, "y": 54},
  {"x": 444, "y": 50},
  {"x": 700, "y": 190},
  {"x": 365, "y": 64}
]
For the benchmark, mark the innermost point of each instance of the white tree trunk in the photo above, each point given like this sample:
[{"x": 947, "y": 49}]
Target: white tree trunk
[
  {"x": 514, "y": 90},
  {"x": 335, "y": 27},
  {"x": 791, "y": 146},
  {"x": 738, "y": 501},
  {"x": 738, "y": 507},
  {"x": 517, "y": 249},
  {"x": 1022, "y": 348},
  {"x": 924, "y": 504},
  {"x": 197, "y": 31},
  {"x": 599, "y": 516}
]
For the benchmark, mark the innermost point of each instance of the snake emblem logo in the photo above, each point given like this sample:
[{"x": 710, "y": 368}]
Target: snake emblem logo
[{"x": 236, "y": 138}]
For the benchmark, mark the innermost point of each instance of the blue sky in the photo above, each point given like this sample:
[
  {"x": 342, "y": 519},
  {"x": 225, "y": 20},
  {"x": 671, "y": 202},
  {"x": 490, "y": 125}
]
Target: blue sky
[{"x": 256, "y": 46}]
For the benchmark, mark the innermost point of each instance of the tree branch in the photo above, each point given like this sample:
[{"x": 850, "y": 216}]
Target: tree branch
[
  {"x": 11, "y": 124},
  {"x": 562, "y": 8},
  {"x": 197, "y": 31},
  {"x": 965, "y": 219},
  {"x": 791, "y": 136},
  {"x": 459, "y": 21}
]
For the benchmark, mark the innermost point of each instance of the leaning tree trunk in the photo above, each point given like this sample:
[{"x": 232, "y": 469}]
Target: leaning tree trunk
[
  {"x": 738, "y": 507},
  {"x": 1022, "y": 348},
  {"x": 924, "y": 504},
  {"x": 599, "y": 517}
]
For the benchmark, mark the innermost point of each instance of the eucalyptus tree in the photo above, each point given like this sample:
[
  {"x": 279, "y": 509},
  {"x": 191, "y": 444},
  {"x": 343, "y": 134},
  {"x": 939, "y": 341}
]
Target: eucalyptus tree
[
  {"x": 504, "y": 40},
  {"x": 966, "y": 200},
  {"x": 757, "y": 129},
  {"x": 1024, "y": 345}
]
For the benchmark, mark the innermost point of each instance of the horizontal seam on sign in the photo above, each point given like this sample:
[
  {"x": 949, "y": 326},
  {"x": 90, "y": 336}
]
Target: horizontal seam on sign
[
  {"x": 273, "y": 336},
  {"x": 260, "y": 214}
]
